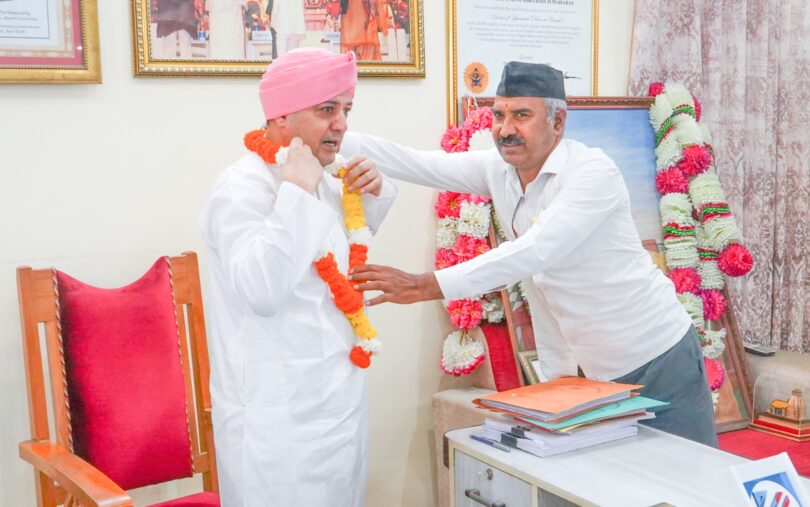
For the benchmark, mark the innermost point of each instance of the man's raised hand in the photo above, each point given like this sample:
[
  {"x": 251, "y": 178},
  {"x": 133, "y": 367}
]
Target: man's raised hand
[
  {"x": 302, "y": 168},
  {"x": 363, "y": 175}
]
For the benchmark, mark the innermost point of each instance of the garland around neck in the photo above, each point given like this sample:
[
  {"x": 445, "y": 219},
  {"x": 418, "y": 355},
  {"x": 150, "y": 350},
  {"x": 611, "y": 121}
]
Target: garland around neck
[
  {"x": 347, "y": 298},
  {"x": 275, "y": 153}
]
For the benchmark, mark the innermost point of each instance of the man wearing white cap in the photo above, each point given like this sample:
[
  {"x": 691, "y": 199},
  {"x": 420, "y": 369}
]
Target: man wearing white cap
[{"x": 289, "y": 400}]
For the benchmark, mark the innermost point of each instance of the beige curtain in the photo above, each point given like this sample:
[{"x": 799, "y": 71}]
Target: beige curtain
[{"x": 748, "y": 62}]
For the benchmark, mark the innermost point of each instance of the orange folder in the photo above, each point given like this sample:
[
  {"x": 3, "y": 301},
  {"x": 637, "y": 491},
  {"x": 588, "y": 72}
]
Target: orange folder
[{"x": 557, "y": 399}]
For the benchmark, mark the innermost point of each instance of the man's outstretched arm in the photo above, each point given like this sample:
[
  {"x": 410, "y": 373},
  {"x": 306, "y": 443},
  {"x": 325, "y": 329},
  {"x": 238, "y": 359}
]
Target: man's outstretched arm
[
  {"x": 457, "y": 172},
  {"x": 397, "y": 286}
]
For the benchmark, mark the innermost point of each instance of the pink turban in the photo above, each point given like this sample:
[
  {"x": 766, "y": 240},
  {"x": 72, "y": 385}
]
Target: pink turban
[{"x": 304, "y": 78}]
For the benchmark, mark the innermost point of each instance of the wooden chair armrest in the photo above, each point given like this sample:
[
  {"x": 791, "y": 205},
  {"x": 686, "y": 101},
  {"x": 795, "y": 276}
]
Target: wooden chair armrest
[{"x": 83, "y": 481}]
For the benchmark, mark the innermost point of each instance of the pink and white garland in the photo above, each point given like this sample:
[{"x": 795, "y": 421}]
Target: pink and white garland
[
  {"x": 462, "y": 234},
  {"x": 701, "y": 239}
]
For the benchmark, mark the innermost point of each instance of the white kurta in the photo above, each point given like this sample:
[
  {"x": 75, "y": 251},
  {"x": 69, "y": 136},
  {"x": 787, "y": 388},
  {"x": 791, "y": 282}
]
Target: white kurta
[
  {"x": 227, "y": 26},
  {"x": 596, "y": 298},
  {"x": 288, "y": 17},
  {"x": 289, "y": 408}
]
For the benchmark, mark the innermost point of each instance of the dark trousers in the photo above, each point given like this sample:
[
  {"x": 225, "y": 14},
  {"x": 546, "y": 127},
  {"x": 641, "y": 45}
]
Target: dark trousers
[{"x": 678, "y": 377}]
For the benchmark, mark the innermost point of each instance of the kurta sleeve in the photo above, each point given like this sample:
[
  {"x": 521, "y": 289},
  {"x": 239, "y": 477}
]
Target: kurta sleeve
[
  {"x": 458, "y": 172},
  {"x": 585, "y": 200},
  {"x": 376, "y": 207},
  {"x": 265, "y": 241}
]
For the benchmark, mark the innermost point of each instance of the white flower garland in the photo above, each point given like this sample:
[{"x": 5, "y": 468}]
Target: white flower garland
[
  {"x": 461, "y": 353},
  {"x": 446, "y": 232},
  {"x": 474, "y": 219},
  {"x": 715, "y": 343},
  {"x": 700, "y": 236},
  {"x": 694, "y": 307},
  {"x": 710, "y": 275}
]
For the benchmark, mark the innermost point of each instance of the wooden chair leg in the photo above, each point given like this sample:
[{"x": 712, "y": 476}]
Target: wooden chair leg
[{"x": 46, "y": 490}]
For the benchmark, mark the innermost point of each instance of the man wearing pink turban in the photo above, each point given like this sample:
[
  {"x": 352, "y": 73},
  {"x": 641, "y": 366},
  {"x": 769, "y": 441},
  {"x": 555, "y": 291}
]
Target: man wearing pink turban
[{"x": 289, "y": 407}]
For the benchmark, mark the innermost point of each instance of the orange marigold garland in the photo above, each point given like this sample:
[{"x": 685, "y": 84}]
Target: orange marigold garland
[
  {"x": 348, "y": 299},
  {"x": 359, "y": 236},
  {"x": 261, "y": 146}
]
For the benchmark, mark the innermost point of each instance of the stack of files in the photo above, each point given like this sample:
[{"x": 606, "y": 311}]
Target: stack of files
[
  {"x": 630, "y": 409},
  {"x": 543, "y": 443},
  {"x": 557, "y": 399},
  {"x": 565, "y": 414}
]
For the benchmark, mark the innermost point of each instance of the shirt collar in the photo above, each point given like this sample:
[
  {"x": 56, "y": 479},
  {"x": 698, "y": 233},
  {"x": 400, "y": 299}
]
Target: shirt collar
[
  {"x": 556, "y": 160},
  {"x": 555, "y": 163}
]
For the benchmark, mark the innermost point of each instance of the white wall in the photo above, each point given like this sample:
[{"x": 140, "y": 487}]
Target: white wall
[{"x": 99, "y": 180}]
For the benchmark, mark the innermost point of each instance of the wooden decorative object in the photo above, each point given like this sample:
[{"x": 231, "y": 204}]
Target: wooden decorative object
[{"x": 785, "y": 418}]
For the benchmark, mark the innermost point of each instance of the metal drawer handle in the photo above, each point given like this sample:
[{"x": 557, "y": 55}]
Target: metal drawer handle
[{"x": 475, "y": 496}]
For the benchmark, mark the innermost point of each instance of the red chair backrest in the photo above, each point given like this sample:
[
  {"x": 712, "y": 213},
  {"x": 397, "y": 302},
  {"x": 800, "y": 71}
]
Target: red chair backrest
[
  {"x": 127, "y": 404},
  {"x": 128, "y": 373}
]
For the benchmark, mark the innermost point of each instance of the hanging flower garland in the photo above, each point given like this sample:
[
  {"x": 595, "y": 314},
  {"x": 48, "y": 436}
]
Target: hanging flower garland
[
  {"x": 701, "y": 238},
  {"x": 462, "y": 234},
  {"x": 348, "y": 299}
]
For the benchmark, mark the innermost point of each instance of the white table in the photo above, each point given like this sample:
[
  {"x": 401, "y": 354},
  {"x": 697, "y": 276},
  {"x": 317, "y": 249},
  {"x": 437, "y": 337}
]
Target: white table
[{"x": 648, "y": 469}]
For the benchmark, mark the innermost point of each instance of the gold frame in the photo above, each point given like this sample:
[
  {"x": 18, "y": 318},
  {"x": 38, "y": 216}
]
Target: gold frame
[
  {"x": 89, "y": 73},
  {"x": 144, "y": 65},
  {"x": 525, "y": 357},
  {"x": 452, "y": 58}
]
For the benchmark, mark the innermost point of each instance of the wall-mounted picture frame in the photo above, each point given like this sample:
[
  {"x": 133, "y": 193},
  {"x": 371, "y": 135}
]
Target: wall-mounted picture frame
[
  {"x": 49, "y": 41},
  {"x": 620, "y": 126},
  {"x": 482, "y": 35},
  {"x": 241, "y": 37}
]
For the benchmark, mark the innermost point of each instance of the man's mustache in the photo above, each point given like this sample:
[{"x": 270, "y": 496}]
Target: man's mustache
[{"x": 512, "y": 140}]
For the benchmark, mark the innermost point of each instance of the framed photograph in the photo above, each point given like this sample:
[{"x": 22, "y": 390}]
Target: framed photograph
[
  {"x": 241, "y": 37},
  {"x": 770, "y": 481},
  {"x": 531, "y": 367},
  {"x": 49, "y": 41},
  {"x": 482, "y": 35},
  {"x": 620, "y": 126}
]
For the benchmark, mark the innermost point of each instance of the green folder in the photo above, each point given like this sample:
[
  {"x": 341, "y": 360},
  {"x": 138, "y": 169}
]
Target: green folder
[{"x": 614, "y": 410}]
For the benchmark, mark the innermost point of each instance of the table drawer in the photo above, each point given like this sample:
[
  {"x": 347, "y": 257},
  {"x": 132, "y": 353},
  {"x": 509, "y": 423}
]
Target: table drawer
[{"x": 494, "y": 487}]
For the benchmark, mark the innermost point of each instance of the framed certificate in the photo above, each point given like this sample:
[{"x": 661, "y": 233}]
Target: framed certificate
[
  {"x": 485, "y": 34},
  {"x": 49, "y": 41},
  {"x": 241, "y": 37}
]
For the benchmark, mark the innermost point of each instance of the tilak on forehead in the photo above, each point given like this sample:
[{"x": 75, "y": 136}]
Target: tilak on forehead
[{"x": 520, "y": 79}]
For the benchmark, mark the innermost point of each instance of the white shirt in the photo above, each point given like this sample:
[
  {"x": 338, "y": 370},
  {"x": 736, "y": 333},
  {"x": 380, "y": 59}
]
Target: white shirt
[
  {"x": 289, "y": 407},
  {"x": 595, "y": 296}
]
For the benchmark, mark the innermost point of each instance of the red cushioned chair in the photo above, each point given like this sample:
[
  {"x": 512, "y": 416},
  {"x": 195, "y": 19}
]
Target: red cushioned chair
[{"x": 128, "y": 383}]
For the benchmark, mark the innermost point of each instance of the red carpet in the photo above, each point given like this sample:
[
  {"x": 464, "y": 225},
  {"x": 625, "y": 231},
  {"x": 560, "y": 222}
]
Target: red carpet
[{"x": 756, "y": 445}]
